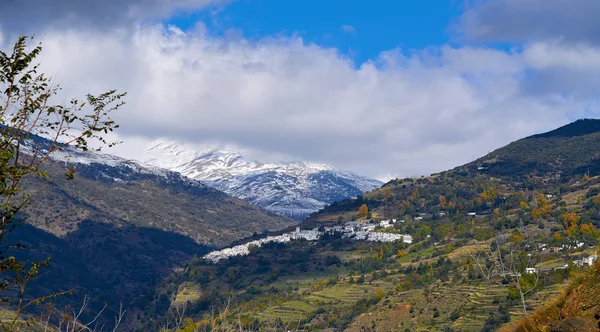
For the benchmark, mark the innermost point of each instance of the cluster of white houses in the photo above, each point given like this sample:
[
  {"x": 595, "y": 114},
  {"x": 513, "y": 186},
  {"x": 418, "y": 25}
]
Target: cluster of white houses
[{"x": 352, "y": 230}]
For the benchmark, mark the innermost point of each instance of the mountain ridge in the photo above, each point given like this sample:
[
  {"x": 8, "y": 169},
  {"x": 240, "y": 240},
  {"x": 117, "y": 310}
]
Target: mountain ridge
[{"x": 292, "y": 189}]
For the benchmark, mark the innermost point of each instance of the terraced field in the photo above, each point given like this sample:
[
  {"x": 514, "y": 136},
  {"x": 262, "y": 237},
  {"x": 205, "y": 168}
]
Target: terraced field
[
  {"x": 287, "y": 312},
  {"x": 190, "y": 293},
  {"x": 474, "y": 301},
  {"x": 337, "y": 296}
]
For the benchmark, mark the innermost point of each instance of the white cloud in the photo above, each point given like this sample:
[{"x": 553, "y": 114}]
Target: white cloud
[
  {"x": 556, "y": 54},
  {"x": 404, "y": 114}
]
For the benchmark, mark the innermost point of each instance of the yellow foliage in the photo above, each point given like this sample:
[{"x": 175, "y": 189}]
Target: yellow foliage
[
  {"x": 523, "y": 205},
  {"x": 570, "y": 222},
  {"x": 363, "y": 211},
  {"x": 401, "y": 253},
  {"x": 587, "y": 228},
  {"x": 517, "y": 237},
  {"x": 488, "y": 195},
  {"x": 443, "y": 202},
  {"x": 542, "y": 201},
  {"x": 557, "y": 236},
  {"x": 543, "y": 210},
  {"x": 379, "y": 293}
]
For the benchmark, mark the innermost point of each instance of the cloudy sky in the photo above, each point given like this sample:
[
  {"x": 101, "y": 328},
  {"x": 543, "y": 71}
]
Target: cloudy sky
[{"x": 382, "y": 88}]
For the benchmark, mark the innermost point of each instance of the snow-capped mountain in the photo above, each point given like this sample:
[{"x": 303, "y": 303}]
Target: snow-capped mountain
[{"x": 293, "y": 189}]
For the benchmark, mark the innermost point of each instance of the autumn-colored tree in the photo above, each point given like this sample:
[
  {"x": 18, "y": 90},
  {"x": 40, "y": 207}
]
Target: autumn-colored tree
[
  {"x": 443, "y": 202},
  {"x": 388, "y": 193},
  {"x": 363, "y": 210},
  {"x": 401, "y": 253},
  {"x": 379, "y": 293},
  {"x": 517, "y": 237},
  {"x": 544, "y": 208},
  {"x": 496, "y": 213},
  {"x": 488, "y": 195},
  {"x": 535, "y": 214},
  {"x": 587, "y": 229},
  {"x": 541, "y": 201},
  {"x": 523, "y": 205},
  {"x": 570, "y": 222},
  {"x": 557, "y": 236}
]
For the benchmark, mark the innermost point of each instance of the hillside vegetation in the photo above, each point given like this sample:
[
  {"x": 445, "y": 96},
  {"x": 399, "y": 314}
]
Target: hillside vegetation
[
  {"x": 115, "y": 230},
  {"x": 533, "y": 205},
  {"x": 577, "y": 308}
]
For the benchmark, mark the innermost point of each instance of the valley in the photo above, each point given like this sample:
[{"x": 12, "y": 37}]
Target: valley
[
  {"x": 445, "y": 277},
  {"x": 299, "y": 166}
]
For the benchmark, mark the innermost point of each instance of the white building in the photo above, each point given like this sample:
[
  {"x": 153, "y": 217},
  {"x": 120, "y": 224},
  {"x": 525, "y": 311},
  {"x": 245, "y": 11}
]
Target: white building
[
  {"x": 586, "y": 261},
  {"x": 354, "y": 230}
]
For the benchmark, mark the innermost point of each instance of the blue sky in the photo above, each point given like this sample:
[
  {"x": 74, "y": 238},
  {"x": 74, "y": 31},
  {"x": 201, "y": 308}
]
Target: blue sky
[
  {"x": 359, "y": 29},
  {"x": 507, "y": 70}
]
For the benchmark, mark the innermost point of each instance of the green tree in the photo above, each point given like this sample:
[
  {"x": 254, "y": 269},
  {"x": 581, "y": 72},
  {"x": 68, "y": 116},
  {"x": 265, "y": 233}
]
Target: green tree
[{"x": 31, "y": 129}]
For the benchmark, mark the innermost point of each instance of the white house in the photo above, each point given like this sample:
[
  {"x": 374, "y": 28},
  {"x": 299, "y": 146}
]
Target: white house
[{"x": 586, "y": 261}]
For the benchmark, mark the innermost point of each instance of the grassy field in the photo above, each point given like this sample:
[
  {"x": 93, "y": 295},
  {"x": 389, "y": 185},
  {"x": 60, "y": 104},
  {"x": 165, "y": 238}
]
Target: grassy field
[
  {"x": 190, "y": 293},
  {"x": 287, "y": 312}
]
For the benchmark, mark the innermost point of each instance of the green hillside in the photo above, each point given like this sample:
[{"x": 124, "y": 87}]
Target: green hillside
[
  {"x": 113, "y": 232},
  {"x": 533, "y": 200}
]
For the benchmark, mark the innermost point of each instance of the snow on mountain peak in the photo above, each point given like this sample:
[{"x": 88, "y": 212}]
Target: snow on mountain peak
[{"x": 294, "y": 189}]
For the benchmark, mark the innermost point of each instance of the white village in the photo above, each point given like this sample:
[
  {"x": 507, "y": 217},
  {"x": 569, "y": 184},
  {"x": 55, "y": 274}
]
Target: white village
[{"x": 353, "y": 230}]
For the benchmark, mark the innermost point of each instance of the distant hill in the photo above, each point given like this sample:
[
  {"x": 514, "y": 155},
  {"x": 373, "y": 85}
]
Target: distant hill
[
  {"x": 569, "y": 150},
  {"x": 543, "y": 162},
  {"x": 292, "y": 189}
]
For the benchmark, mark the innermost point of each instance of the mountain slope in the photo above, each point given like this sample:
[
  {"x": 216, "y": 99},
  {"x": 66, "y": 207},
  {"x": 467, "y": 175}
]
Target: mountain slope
[
  {"x": 435, "y": 282},
  {"x": 576, "y": 309},
  {"x": 121, "y": 191},
  {"x": 552, "y": 162},
  {"x": 292, "y": 189},
  {"x": 118, "y": 228},
  {"x": 571, "y": 149}
]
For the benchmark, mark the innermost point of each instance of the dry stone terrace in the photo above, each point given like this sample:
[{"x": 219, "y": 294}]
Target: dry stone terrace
[{"x": 352, "y": 230}]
